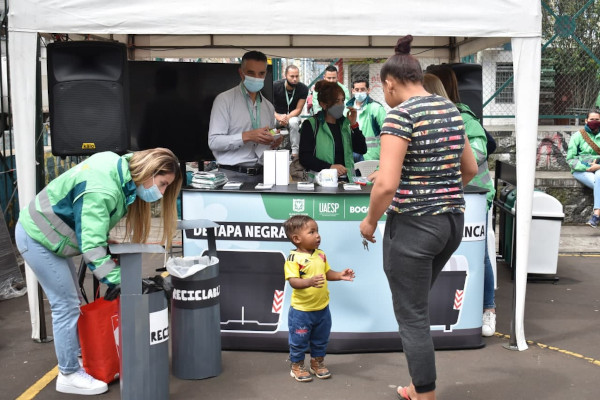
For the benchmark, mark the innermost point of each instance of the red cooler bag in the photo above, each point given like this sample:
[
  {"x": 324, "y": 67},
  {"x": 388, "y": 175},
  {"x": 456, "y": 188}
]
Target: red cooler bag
[{"x": 99, "y": 336}]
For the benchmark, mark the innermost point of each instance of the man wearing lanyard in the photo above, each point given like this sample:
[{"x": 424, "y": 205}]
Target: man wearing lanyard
[
  {"x": 289, "y": 96},
  {"x": 240, "y": 121}
]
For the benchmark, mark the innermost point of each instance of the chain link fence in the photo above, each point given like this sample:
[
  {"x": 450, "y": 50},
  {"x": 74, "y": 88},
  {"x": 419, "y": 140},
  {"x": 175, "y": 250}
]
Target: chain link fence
[{"x": 570, "y": 68}]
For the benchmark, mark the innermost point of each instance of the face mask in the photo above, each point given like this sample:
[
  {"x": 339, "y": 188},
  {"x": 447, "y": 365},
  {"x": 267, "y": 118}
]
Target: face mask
[
  {"x": 290, "y": 84},
  {"x": 149, "y": 195},
  {"x": 593, "y": 124},
  {"x": 336, "y": 111},
  {"x": 253, "y": 84},
  {"x": 360, "y": 96}
]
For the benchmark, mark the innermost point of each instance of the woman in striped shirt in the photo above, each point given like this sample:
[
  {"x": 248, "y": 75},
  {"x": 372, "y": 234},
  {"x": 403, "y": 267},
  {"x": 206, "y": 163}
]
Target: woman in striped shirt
[{"x": 423, "y": 167}]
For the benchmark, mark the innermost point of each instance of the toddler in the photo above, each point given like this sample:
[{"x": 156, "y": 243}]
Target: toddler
[{"x": 308, "y": 271}]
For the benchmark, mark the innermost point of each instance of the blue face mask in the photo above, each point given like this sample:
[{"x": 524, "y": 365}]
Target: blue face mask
[
  {"x": 149, "y": 195},
  {"x": 360, "y": 96},
  {"x": 253, "y": 84}
]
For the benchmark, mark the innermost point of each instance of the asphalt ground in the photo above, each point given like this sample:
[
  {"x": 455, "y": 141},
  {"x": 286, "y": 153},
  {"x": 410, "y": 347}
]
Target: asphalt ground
[{"x": 562, "y": 323}]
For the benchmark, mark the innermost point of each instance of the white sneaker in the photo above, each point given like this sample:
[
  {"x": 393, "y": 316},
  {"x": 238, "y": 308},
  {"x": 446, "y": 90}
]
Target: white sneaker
[
  {"x": 79, "y": 382},
  {"x": 488, "y": 327}
]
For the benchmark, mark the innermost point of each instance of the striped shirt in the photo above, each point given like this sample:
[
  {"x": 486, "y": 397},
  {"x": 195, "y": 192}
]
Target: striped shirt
[{"x": 431, "y": 181}]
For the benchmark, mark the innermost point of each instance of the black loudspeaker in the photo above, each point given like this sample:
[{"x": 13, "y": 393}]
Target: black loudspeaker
[
  {"x": 89, "y": 97},
  {"x": 470, "y": 86}
]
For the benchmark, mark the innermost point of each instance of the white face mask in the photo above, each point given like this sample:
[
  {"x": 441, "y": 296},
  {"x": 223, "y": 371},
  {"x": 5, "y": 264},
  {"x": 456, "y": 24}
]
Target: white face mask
[
  {"x": 360, "y": 96},
  {"x": 253, "y": 84}
]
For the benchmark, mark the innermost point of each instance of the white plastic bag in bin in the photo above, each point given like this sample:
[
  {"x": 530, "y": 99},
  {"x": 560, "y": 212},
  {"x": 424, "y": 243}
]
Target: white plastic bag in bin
[{"x": 182, "y": 267}]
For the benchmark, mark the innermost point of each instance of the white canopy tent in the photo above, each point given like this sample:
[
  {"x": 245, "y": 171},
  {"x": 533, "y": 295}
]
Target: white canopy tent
[{"x": 312, "y": 28}]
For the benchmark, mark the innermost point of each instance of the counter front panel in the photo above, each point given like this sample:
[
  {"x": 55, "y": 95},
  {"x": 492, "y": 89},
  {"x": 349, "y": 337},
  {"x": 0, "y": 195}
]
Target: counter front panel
[{"x": 255, "y": 298}]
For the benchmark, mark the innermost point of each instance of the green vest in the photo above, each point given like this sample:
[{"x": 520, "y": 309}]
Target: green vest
[{"x": 325, "y": 145}]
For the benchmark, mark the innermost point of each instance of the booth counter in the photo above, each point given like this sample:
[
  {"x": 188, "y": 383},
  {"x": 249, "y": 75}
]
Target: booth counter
[{"x": 252, "y": 249}]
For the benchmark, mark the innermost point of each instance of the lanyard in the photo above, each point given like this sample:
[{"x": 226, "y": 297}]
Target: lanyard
[
  {"x": 254, "y": 119},
  {"x": 288, "y": 98}
]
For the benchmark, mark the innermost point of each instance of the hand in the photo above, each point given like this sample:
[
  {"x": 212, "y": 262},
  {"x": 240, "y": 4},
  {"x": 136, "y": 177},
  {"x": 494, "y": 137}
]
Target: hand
[
  {"x": 367, "y": 230},
  {"x": 341, "y": 170},
  {"x": 593, "y": 167},
  {"x": 352, "y": 114},
  {"x": 373, "y": 176},
  {"x": 276, "y": 141},
  {"x": 283, "y": 119},
  {"x": 260, "y": 136},
  {"x": 317, "y": 281},
  {"x": 347, "y": 275}
]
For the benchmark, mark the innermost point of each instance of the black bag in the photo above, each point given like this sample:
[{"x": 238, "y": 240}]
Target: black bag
[{"x": 491, "y": 143}]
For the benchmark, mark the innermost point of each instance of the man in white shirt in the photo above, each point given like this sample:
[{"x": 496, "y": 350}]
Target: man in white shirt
[{"x": 240, "y": 123}]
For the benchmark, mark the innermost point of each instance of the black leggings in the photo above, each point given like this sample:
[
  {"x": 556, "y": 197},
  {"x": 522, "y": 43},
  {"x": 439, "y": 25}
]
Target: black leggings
[{"x": 415, "y": 249}]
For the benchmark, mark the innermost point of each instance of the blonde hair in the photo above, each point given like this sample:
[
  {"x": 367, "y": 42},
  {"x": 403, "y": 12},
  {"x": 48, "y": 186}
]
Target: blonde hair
[
  {"x": 144, "y": 165},
  {"x": 434, "y": 85}
]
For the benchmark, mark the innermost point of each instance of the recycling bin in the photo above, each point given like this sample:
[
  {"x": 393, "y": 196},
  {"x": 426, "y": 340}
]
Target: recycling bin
[
  {"x": 143, "y": 329},
  {"x": 195, "y": 312},
  {"x": 546, "y": 219}
]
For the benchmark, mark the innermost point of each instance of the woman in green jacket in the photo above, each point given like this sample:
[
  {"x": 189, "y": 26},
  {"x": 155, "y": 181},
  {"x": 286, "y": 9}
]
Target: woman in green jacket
[
  {"x": 328, "y": 139},
  {"x": 585, "y": 161},
  {"x": 483, "y": 179},
  {"x": 73, "y": 215}
]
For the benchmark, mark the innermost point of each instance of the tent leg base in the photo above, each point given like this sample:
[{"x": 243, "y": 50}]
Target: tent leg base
[
  {"x": 47, "y": 339},
  {"x": 510, "y": 346}
]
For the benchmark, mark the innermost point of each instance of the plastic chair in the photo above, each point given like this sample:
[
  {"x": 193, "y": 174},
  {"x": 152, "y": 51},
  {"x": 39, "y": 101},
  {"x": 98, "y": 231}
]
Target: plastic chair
[{"x": 367, "y": 167}]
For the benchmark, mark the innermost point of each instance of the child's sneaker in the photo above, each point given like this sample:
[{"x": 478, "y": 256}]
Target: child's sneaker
[
  {"x": 299, "y": 372},
  {"x": 317, "y": 367},
  {"x": 79, "y": 383},
  {"x": 594, "y": 221}
]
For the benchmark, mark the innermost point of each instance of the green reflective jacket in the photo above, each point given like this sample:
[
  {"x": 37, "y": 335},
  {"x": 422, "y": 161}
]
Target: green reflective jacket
[
  {"x": 580, "y": 154},
  {"x": 478, "y": 142},
  {"x": 74, "y": 214},
  {"x": 370, "y": 121}
]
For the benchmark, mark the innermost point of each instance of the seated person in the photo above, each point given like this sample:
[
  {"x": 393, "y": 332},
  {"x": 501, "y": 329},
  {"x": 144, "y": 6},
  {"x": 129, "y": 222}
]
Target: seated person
[
  {"x": 328, "y": 139},
  {"x": 240, "y": 123},
  {"x": 289, "y": 97},
  {"x": 584, "y": 159}
]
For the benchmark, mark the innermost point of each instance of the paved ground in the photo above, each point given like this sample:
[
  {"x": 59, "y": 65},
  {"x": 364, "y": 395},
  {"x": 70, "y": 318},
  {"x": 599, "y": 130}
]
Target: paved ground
[{"x": 563, "y": 359}]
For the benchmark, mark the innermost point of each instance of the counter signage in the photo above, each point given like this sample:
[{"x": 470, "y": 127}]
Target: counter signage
[
  {"x": 159, "y": 326},
  {"x": 474, "y": 232},
  {"x": 263, "y": 231},
  {"x": 321, "y": 208}
]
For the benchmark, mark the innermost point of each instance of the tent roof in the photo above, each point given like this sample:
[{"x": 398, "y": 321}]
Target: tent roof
[
  {"x": 506, "y": 18},
  {"x": 286, "y": 28}
]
